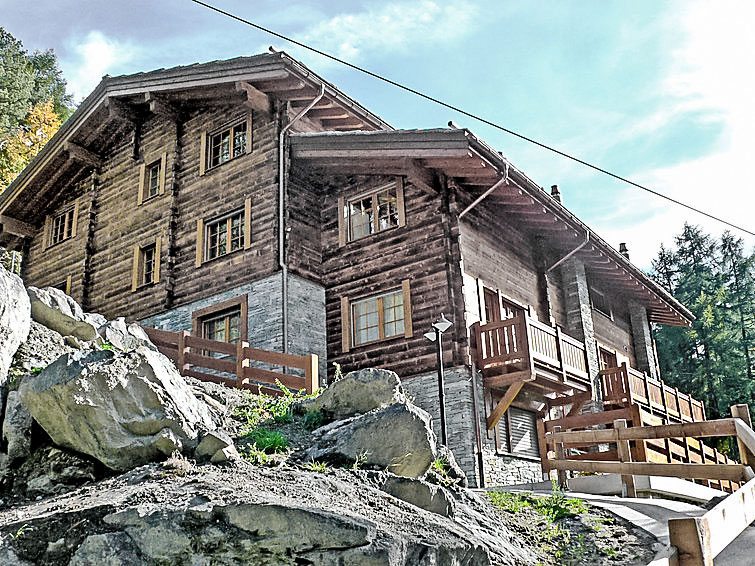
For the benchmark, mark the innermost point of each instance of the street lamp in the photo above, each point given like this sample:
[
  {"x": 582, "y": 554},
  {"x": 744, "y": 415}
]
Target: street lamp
[{"x": 435, "y": 335}]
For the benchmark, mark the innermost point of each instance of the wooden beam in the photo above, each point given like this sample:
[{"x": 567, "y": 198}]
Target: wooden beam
[
  {"x": 255, "y": 98},
  {"x": 119, "y": 110},
  {"x": 730, "y": 472},
  {"x": 503, "y": 404},
  {"x": 702, "y": 429},
  {"x": 161, "y": 107},
  {"x": 418, "y": 175},
  {"x": 15, "y": 227},
  {"x": 348, "y": 122},
  {"x": 281, "y": 85},
  {"x": 508, "y": 379},
  {"x": 625, "y": 455},
  {"x": 83, "y": 155},
  {"x": 334, "y": 112}
]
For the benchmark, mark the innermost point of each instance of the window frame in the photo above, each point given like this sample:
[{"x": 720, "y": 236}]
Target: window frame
[
  {"x": 205, "y": 157},
  {"x": 348, "y": 327},
  {"x": 200, "y": 316},
  {"x": 344, "y": 211},
  {"x": 139, "y": 263},
  {"x": 608, "y": 313},
  {"x": 203, "y": 228},
  {"x": 70, "y": 216},
  {"x": 504, "y": 437},
  {"x": 144, "y": 177}
]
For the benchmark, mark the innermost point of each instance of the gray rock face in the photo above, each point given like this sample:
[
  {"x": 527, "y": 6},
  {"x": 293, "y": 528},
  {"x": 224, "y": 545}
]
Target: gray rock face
[
  {"x": 421, "y": 494},
  {"x": 110, "y": 549},
  {"x": 14, "y": 318},
  {"x": 358, "y": 392},
  {"x": 51, "y": 471},
  {"x": 42, "y": 347},
  {"x": 212, "y": 442},
  {"x": 125, "y": 336},
  {"x": 124, "y": 409},
  {"x": 17, "y": 428},
  {"x": 57, "y": 311},
  {"x": 396, "y": 438},
  {"x": 10, "y": 558}
]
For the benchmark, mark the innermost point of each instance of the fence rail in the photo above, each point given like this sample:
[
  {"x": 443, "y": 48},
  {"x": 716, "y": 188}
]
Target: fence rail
[{"x": 232, "y": 363}]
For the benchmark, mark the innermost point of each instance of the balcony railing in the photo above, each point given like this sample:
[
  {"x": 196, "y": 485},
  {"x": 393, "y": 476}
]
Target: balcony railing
[
  {"x": 522, "y": 344},
  {"x": 625, "y": 385}
]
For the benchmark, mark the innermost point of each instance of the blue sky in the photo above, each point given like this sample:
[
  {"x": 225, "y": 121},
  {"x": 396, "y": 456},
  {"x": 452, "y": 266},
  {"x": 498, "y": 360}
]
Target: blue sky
[{"x": 660, "y": 92}]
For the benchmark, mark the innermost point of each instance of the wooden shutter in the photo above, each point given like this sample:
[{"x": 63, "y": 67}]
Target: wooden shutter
[
  {"x": 523, "y": 432},
  {"x": 249, "y": 132},
  {"x": 200, "y": 242},
  {"x": 135, "y": 268},
  {"x": 68, "y": 285},
  {"x": 406, "y": 292},
  {"x": 163, "y": 164},
  {"x": 400, "y": 203},
  {"x": 345, "y": 324},
  {"x": 481, "y": 301},
  {"x": 203, "y": 152},
  {"x": 341, "y": 222},
  {"x": 158, "y": 246},
  {"x": 75, "y": 221},
  {"x": 248, "y": 223},
  {"x": 46, "y": 233},
  {"x": 142, "y": 176}
]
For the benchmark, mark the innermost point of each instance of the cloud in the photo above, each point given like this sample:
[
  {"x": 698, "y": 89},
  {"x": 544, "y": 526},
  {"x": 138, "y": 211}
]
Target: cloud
[
  {"x": 391, "y": 28},
  {"x": 92, "y": 57}
]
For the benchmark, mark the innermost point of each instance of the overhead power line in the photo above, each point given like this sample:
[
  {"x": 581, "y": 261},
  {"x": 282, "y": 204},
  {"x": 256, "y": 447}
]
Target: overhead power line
[{"x": 471, "y": 115}]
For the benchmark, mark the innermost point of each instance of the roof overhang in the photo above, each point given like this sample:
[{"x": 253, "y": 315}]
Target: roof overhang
[
  {"x": 117, "y": 103},
  {"x": 476, "y": 167}
]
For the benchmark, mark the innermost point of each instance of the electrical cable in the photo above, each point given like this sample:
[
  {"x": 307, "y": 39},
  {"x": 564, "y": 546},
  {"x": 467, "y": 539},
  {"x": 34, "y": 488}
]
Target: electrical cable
[{"x": 471, "y": 115}]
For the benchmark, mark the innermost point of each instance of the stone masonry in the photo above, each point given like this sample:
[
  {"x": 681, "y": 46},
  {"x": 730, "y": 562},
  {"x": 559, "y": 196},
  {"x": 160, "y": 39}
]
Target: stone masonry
[{"x": 643, "y": 340}]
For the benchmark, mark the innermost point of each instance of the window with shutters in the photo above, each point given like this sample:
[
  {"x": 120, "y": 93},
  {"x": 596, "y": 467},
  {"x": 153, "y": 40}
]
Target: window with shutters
[
  {"x": 152, "y": 178},
  {"x": 600, "y": 303},
  {"x": 518, "y": 433},
  {"x": 377, "y": 317},
  {"x": 146, "y": 266},
  {"x": 369, "y": 213}
]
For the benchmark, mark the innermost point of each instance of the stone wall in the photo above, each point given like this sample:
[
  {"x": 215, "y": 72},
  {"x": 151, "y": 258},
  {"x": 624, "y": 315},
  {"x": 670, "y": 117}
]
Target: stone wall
[
  {"x": 306, "y": 315},
  {"x": 504, "y": 469}
]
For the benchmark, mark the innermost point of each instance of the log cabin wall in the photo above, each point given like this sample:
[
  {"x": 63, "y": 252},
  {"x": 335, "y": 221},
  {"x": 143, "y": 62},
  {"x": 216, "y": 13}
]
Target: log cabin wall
[
  {"x": 615, "y": 332},
  {"x": 304, "y": 210},
  {"x": 380, "y": 262}
]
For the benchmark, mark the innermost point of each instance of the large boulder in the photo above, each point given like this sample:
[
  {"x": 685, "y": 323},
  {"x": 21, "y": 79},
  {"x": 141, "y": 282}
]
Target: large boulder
[
  {"x": 397, "y": 438},
  {"x": 16, "y": 428},
  {"x": 422, "y": 494},
  {"x": 125, "y": 336},
  {"x": 124, "y": 409},
  {"x": 14, "y": 318},
  {"x": 59, "y": 312},
  {"x": 42, "y": 347},
  {"x": 358, "y": 392}
]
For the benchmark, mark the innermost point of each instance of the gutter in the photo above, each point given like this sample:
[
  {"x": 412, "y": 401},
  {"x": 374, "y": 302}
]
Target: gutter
[
  {"x": 281, "y": 214},
  {"x": 501, "y": 182}
]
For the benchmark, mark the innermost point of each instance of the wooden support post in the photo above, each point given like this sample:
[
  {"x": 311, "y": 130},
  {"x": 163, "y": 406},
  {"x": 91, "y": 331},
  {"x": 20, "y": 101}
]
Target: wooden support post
[
  {"x": 241, "y": 361},
  {"x": 559, "y": 346},
  {"x": 691, "y": 537},
  {"x": 543, "y": 447},
  {"x": 743, "y": 412},
  {"x": 182, "y": 351},
  {"x": 311, "y": 374},
  {"x": 625, "y": 455},
  {"x": 503, "y": 404},
  {"x": 559, "y": 449}
]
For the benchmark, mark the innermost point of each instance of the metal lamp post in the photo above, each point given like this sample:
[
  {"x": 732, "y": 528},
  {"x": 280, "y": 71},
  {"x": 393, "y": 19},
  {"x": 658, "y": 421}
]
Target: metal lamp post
[{"x": 435, "y": 335}]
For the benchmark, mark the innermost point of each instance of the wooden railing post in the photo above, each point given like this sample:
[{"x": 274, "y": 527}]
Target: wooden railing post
[
  {"x": 543, "y": 448},
  {"x": 743, "y": 412},
  {"x": 182, "y": 351},
  {"x": 559, "y": 449},
  {"x": 241, "y": 361},
  {"x": 691, "y": 537},
  {"x": 625, "y": 455},
  {"x": 559, "y": 353},
  {"x": 311, "y": 374}
]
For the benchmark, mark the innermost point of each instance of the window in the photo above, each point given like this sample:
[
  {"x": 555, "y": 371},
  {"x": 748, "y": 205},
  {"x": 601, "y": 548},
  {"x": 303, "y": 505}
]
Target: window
[
  {"x": 607, "y": 359},
  {"x": 223, "y": 322},
  {"x": 63, "y": 226},
  {"x": 377, "y": 317},
  {"x": 372, "y": 212},
  {"x": 224, "y": 235},
  {"x": 600, "y": 303},
  {"x": 517, "y": 433},
  {"x": 226, "y": 143},
  {"x": 64, "y": 286},
  {"x": 146, "y": 266},
  {"x": 152, "y": 178}
]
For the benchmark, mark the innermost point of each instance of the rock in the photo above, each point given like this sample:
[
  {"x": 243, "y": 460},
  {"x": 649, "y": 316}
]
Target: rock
[
  {"x": 110, "y": 549},
  {"x": 124, "y": 336},
  {"x": 397, "y": 438},
  {"x": 17, "y": 428},
  {"x": 51, "y": 471},
  {"x": 358, "y": 392},
  {"x": 57, "y": 311},
  {"x": 421, "y": 494},
  {"x": 42, "y": 347},
  {"x": 211, "y": 443},
  {"x": 124, "y": 409},
  {"x": 15, "y": 319},
  {"x": 10, "y": 558},
  {"x": 227, "y": 454},
  {"x": 453, "y": 471}
]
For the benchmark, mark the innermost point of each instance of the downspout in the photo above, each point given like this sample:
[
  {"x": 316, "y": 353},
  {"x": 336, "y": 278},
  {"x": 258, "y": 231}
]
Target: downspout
[
  {"x": 281, "y": 227},
  {"x": 571, "y": 253},
  {"x": 501, "y": 182}
]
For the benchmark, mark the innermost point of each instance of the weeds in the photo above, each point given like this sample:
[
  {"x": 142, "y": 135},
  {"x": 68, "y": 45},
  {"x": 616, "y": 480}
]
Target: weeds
[
  {"x": 360, "y": 460},
  {"x": 25, "y": 528},
  {"x": 337, "y": 373},
  {"x": 314, "y": 466},
  {"x": 312, "y": 420},
  {"x": 266, "y": 440}
]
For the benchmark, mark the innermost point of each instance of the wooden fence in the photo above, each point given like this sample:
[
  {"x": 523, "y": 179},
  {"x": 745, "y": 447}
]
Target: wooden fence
[
  {"x": 697, "y": 540},
  {"x": 231, "y": 364}
]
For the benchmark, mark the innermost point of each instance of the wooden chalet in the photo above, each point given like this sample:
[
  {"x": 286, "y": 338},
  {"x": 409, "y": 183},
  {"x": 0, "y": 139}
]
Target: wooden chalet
[{"x": 250, "y": 201}]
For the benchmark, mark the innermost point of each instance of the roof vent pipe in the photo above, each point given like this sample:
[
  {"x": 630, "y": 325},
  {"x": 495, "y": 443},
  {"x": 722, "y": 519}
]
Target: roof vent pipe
[
  {"x": 454, "y": 125},
  {"x": 623, "y": 250},
  {"x": 555, "y": 193}
]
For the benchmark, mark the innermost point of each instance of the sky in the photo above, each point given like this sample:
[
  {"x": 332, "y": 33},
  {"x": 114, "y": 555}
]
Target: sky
[{"x": 658, "y": 92}]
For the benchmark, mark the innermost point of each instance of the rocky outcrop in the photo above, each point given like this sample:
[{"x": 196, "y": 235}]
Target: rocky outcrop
[
  {"x": 358, "y": 392},
  {"x": 124, "y": 409},
  {"x": 125, "y": 336},
  {"x": 14, "y": 319},
  {"x": 59, "y": 312},
  {"x": 16, "y": 428},
  {"x": 421, "y": 494},
  {"x": 397, "y": 438},
  {"x": 42, "y": 347}
]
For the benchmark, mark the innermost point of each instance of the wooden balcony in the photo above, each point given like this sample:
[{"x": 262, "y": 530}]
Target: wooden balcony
[
  {"x": 623, "y": 386},
  {"x": 522, "y": 349}
]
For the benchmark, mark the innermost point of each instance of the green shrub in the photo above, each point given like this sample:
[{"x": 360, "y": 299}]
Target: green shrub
[
  {"x": 312, "y": 420},
  {"x": 268, "y": 441}
]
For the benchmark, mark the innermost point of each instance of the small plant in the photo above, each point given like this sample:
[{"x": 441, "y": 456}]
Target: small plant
[
  {"x": 511, "y": 502},
  {"x": 337, "y": 373},
  {"x": 268, "y": 441},
  {"x": 314, "y": 466},
  {"x": 312, "y": 420},
  {"x": 107, "y": 346},
  {"x": 557, "y": 506},
  {"x": 254, "y": 456},
  {"x": 25, "y": 528},
  {"x": 360, "y": 460},
  {"x": 35, "y": 371}
]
